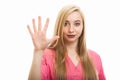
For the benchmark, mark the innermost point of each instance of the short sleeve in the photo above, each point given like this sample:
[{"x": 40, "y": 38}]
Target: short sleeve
[
  {"x": 47, "y": 65},
  {"x": 98, "y": 64},
  {"x": 45, "y": 72},
  {"x": 101, "y": 72}
]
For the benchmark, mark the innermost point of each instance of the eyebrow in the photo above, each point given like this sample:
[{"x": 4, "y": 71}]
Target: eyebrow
[
  {"x": 66, "y": 21},
  {"x": 77, "y": 21},
  {"x": 74, "y": 21}
]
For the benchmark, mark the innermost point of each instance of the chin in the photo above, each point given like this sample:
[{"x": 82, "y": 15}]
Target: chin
[{"x": 71, "y": 40}]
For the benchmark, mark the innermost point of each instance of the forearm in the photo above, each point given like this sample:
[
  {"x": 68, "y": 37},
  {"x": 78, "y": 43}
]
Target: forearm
[{"x": 35, "y": 67}]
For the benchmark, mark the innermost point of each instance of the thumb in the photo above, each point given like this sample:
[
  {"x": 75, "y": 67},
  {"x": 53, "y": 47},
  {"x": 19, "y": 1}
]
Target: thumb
[{"x": 53, "y": 39}]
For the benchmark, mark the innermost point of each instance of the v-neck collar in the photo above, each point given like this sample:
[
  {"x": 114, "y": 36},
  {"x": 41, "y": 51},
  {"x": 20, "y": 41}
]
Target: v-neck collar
[{"x": 71, "y": 62}]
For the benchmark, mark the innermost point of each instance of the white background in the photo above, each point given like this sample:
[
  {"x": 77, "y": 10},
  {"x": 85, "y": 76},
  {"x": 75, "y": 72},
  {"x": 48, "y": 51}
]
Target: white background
[{"x": 16, "y": 49}]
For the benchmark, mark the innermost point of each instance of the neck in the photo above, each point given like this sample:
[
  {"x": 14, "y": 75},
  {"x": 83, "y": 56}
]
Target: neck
[
  {"x": 72, "y": 53},
  {"x": 71, "y": 47}
]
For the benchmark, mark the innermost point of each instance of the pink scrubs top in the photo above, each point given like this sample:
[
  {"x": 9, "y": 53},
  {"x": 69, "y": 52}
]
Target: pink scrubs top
[{"x": 73, "y": 72}]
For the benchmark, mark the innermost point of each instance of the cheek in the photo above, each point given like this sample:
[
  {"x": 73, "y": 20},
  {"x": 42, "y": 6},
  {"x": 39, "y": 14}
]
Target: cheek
[
  {"x": 79, "y": 31},
  {"x": 64, "y": 31}
]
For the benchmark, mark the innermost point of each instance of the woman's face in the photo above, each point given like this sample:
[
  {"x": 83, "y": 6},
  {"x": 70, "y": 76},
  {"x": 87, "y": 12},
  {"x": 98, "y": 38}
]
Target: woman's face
[{"x": 72, "y": 28}]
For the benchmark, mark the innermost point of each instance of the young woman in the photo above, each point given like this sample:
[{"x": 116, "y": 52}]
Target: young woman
[{"x": 65, "y": 56}]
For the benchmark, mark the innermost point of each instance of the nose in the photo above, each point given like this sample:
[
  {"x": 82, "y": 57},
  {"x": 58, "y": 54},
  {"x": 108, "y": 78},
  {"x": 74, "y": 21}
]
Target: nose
[{"x": 71, "y": 29}]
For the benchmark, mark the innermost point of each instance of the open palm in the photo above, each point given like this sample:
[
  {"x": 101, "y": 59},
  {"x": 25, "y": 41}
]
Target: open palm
[{"x": 39, "y": 36}]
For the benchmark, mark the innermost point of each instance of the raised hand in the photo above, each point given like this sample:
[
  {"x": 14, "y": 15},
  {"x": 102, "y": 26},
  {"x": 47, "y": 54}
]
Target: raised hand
[{"x": 39, "y": 36}]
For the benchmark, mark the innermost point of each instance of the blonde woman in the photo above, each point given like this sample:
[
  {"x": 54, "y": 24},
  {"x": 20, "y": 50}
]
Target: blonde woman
[{"x": 65, "y": 56}]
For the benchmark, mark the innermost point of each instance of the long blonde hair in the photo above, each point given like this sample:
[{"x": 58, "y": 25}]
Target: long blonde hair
[{"x": 59, "y": 46}]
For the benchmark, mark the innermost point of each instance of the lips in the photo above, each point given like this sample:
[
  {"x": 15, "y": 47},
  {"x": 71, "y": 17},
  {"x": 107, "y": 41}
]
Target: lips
[{"x": 71, "y": 36}]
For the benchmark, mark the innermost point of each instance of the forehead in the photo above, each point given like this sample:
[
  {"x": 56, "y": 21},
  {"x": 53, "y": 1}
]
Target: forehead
[{"x": 74, "y": 16}]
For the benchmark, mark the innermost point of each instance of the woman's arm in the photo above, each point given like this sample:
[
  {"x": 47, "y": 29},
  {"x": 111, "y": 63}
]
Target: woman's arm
[
  {"x": 40, "y": 44},
  {"x": 35, "y": 67}
]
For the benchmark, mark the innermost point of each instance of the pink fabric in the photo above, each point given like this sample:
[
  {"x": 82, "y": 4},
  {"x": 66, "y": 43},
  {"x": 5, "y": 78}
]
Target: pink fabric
[{"x": 73, "y": 72}]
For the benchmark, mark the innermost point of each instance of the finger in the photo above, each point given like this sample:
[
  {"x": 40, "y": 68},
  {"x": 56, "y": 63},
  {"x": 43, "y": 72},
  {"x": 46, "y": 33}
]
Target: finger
[
  {"x": 29, "y": 30},
  {"x": 46, "y": 25},
  {"x": 34, "y": 26},
  {"x": 39, "y": 23},
  {"x": 53, "y": 39}
]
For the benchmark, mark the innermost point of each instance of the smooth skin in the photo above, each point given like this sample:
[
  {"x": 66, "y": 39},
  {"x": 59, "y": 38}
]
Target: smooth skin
[{"x": 73, "y": 27}]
